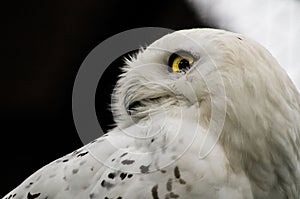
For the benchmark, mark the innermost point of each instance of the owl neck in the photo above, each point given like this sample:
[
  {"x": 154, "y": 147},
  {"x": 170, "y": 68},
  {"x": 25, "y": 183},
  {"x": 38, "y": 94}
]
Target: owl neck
[{"x": 264, "y": 142}]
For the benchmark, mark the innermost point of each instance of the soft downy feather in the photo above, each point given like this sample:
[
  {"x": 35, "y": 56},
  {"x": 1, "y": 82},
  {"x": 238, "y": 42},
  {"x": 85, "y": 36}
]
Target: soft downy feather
[{"x": 156, "y": 149}]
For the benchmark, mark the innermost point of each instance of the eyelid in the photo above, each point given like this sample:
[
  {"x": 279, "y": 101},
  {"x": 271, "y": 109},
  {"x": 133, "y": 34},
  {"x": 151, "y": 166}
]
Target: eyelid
[{"x": 186, "y": 52}]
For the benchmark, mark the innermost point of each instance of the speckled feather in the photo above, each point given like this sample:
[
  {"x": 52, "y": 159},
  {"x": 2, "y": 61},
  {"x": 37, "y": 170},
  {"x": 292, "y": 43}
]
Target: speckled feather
[
  {"x": 121, "y": 173},
  {"x": 225, "y": 127}
]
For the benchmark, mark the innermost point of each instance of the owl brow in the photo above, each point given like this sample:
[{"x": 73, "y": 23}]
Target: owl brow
[{"x": 186, "y": 52}]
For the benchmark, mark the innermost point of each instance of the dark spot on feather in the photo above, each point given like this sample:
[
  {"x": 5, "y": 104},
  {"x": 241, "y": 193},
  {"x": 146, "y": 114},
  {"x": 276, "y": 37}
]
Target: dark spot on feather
[
  {"x": 82, "y": 162},
  {"x": 127, "y": 162},
  {"x": 75, "y": 171},
  {"x": 52, "y": 175},
  {"x": 107, "y": 184},
  {"x": 154, "y": 192},
  {"x": 129, "y": 175},
  {"x": 103, "y": 183},
  {"x": 11, "y": 196},
  {"x": 38, "y": 178},
  {"x": 144, "y": 169},
  {"x": 92, "y": 196},
  {"x": 111, "y": 175},
  {"x": 173, "y": 195},
  {"x": 65, "y": 160},
  {"x": 169, "y": 185},
  {"x": 32, "y": 196},
  {"x": 82, "y": 154},
  {"x": 123, "y": 175},
  {"x": 123, "y": 155},
  {"x": 163, "y": 171},
  {"x": 181, "y": 181},
  {"x": 177, "y": 172},
  {"x": 28, "y": 185}
]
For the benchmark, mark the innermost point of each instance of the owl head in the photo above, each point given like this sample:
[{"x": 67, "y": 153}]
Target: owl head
[
  {"x": 209, "y": 69},
  {"x": 227, "y": 83}
]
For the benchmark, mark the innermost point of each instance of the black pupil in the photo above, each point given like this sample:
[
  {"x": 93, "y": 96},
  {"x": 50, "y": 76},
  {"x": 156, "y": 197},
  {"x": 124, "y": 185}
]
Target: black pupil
[{"x": 183, "y": 64}]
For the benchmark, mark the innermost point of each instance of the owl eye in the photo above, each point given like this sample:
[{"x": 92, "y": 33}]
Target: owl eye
[{"x": 180, "y": 62}]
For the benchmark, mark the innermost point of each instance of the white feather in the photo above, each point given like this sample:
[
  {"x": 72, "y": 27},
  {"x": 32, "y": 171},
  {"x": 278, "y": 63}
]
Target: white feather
[
  {"x": 273, "y": 23},
  {"x": 227, "y": 128}
]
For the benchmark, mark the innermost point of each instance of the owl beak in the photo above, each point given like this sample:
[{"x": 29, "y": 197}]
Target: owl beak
[{"x": 132, "y": 106}]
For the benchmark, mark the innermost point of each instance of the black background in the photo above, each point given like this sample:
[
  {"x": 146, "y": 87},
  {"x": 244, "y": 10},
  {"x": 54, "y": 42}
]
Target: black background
[{"x": 43, "y": 46}]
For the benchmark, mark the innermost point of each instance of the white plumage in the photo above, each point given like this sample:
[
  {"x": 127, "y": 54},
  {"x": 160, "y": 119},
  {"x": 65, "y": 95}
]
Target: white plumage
[
  {"x": 224, "y": 125},
  {"x": 273, "y": 23}
]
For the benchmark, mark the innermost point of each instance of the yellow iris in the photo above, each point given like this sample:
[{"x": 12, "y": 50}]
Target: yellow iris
[
  {"x": 182, "y": 62},
  {"x": 175, "y": 65}
]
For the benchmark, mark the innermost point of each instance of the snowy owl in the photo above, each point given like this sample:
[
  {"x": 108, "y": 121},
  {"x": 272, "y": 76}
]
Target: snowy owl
[{"x": 200, "y": 113}]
